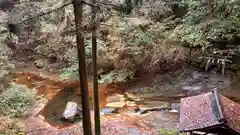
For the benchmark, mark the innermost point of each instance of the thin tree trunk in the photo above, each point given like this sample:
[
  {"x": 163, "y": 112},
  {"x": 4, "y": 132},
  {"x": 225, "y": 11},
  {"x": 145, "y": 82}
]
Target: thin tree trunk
[
  {"x": 78, "y": 11},
  {"x": 95, "y": 76}
]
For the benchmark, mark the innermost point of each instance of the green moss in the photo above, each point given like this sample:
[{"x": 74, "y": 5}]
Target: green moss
[
  {"x": 15, "y": 100},
  {"x": 164, "y": 131}
]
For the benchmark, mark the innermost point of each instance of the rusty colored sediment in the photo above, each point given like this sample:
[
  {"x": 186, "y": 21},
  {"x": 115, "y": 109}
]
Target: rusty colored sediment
[
  {"x": 53, "y": 90},
  {"x": 49, "y": 88},
  {"x": 109, "y": 126}
]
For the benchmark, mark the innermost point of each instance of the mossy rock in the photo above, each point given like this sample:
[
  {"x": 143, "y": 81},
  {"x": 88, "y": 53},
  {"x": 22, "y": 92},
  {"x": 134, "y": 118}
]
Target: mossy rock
[{"x": 39, "y": 63}]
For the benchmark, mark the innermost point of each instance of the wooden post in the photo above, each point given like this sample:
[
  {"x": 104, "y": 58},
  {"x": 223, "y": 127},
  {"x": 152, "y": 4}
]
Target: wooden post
[
  {"x": 95, "y": 75},
  {"x": 78, "y": 11}
]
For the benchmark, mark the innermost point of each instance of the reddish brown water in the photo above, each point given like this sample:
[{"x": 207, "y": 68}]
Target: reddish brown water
[
  {"x": 58, "y": 93},
  {"x": 50, "y": 88}
]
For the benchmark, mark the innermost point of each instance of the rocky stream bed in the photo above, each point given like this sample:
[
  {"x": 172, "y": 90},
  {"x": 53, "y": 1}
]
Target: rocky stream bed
[{"x": 137, "y": 110}]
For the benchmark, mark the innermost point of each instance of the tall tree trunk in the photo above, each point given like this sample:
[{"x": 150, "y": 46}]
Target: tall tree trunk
[
  {"x": 78, "y": 11},
  {"x": 95, "y": 76}
]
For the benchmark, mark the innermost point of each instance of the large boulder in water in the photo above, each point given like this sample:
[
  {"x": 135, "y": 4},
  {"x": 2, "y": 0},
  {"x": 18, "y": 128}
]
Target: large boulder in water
[{"x": 71, "y": 112}]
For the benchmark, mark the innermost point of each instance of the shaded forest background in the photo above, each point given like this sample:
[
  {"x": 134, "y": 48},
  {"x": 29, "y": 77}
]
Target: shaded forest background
[{"x": 133, "y": 35}]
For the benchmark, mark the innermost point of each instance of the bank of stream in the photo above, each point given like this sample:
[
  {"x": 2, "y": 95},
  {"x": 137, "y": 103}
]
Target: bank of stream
[{"x": 135, "y": 110}]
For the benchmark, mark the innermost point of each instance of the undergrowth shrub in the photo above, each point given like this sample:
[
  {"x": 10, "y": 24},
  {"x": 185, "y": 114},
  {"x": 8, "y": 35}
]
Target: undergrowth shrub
[
  {"x": 5, "y": 65},
  {"x": 156, "y": 10},
  {"x": 138, "y": 47},
  {"x": 129, "y": 47},
  {"x": 11, "y": 126},
  {"x": 136, "y": 36},
  {"x": 127, "y": 42},
  {"x": 15, "y": 100},
  {"x": 192, "y": 35},
  {"x": 70, "y": 72},
  {"x": 121, "y": 75},
  {"x": 208, "y": 21}
]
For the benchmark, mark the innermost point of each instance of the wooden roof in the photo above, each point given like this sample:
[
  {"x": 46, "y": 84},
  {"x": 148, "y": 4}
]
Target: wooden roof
[{"x": 202, "y": 112}]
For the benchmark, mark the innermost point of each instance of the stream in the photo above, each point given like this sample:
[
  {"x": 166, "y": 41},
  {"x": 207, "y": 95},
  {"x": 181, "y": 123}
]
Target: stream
[{"x": 137, "y": 110}]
